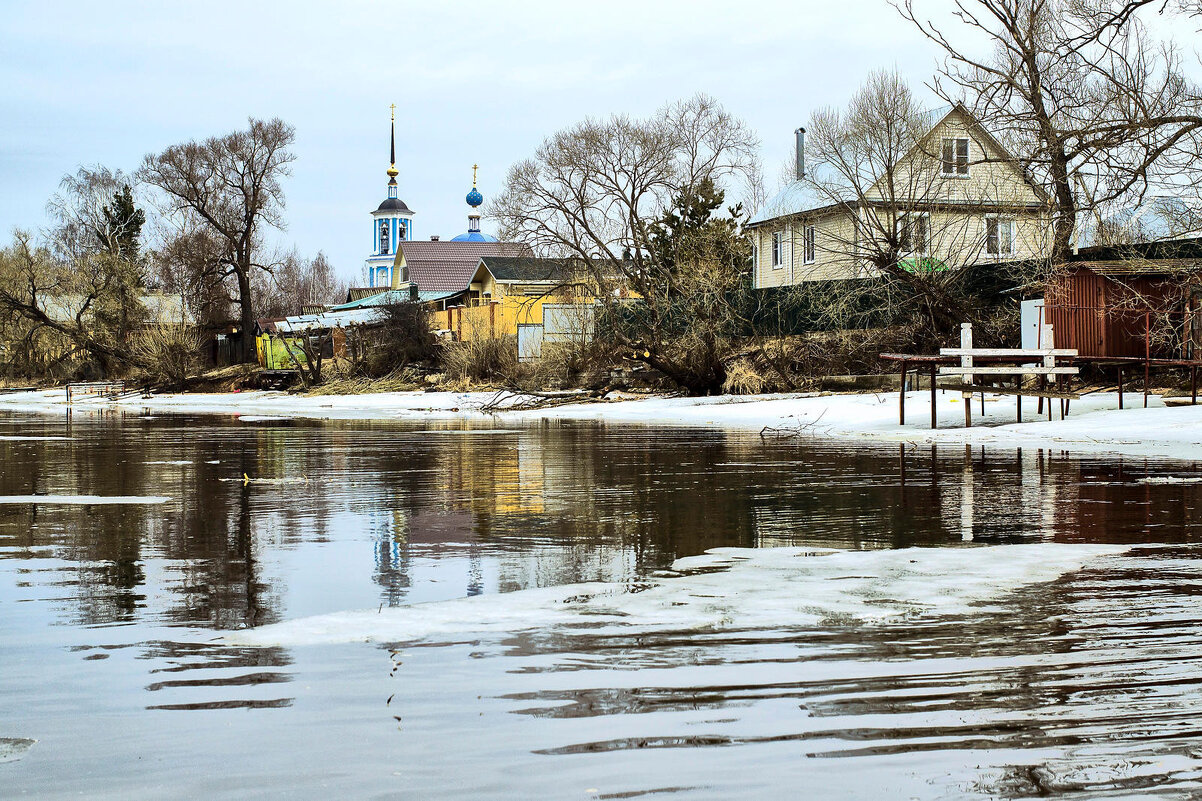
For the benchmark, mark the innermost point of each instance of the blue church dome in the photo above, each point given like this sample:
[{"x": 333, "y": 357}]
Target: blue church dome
[
  {"x": 474, "y": 198},
  {"x": 474, "y": 236}
]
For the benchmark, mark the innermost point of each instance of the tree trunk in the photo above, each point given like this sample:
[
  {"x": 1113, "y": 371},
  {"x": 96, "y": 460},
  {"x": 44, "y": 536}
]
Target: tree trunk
[{"x": 245, "y": 344}]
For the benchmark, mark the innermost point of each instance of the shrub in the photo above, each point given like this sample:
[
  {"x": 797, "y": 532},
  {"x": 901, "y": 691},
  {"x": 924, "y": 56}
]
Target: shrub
[
  {"x": 402, "y": 338},
  {"x": 166, "y": 354}
]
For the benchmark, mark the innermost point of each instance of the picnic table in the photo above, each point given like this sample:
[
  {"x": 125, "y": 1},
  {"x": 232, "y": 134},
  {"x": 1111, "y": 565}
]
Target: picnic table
[{"x": 969, "y": 364}]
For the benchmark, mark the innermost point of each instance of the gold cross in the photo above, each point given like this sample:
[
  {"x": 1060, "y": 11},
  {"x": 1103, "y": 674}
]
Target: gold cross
[
  {"x": 393, "y": 107},
  {"x": 474, "y": 168}
]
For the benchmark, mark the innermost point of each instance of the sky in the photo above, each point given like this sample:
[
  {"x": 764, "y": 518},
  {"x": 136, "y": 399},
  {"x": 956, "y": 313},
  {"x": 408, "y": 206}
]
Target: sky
[{"x": 474, "y": 82}]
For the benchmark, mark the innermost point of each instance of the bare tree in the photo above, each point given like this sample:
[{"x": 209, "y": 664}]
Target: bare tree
[
  {"x": 70, "y": 299},
  {"x": 295, "y": 282},
  {"x": 1098, "y": 110},
  {"x": 230, "y": 187},
  {"x": 94, "y": 212},
  {"x": 602, "y": 193}
]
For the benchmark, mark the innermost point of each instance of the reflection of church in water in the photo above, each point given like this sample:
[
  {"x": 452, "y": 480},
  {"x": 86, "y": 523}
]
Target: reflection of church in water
[{"x": 392, "y": 224}]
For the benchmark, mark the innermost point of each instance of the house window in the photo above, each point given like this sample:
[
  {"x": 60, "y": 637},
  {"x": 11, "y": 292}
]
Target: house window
[
  {"x": 384, "y": 240},
  {"x": 955, "y": 157},
  {"x": 809, "y": 250},
  {"x": 999, "y": 236},
  {"x": 914, "y": 233},
  {"x": 778, "y": 244}
]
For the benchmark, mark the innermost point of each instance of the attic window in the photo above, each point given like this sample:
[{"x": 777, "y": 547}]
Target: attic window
[{"x": 955, "y": 157}]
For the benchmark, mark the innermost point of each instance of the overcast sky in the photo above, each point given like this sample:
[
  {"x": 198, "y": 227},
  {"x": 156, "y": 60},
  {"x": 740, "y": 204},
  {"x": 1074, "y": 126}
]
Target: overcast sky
[{"x": 105, "y": 83}]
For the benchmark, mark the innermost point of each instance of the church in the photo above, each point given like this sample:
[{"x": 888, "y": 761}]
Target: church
[{"x": 389, "y": 267}]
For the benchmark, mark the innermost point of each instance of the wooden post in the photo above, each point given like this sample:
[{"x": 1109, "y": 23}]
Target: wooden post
[
  {"x": 1018, "y": 398},
  {"x": 1147, "y": 353},
  {"x": 1193, "y": 385},
  {"x": 934, "y": 420},
  {"x": 1120, "y": 385},
  {"x": 966, "y": 361},
  {"x": 901, "y": 398}
]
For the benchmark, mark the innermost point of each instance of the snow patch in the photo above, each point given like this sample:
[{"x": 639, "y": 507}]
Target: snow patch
[
  {"x": 13, "y": 748},
  {"x": 83, "y": 500},
  {"x": 738, "y": 588},
  {"x": 1171, "y": 480}
]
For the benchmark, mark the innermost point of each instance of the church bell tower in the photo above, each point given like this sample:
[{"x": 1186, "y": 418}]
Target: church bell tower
[{"x": 391, "y": 224}]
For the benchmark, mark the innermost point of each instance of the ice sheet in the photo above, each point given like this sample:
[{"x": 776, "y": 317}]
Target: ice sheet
[
  {"x": 83, "y": 500},
  {"x": 724, "y": 588},
  {"x": 13, "y": 748}
]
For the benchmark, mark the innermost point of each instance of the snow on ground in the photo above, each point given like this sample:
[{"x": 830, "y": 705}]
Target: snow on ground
[
  {"x": 726, "y": 588},
  {"x": 1094, "y": 424}
]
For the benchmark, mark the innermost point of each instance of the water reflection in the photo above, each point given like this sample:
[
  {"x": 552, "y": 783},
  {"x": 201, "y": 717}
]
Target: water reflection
[
  {"x": 108, "y": 611},
  {"x": 594, "y": 504}
]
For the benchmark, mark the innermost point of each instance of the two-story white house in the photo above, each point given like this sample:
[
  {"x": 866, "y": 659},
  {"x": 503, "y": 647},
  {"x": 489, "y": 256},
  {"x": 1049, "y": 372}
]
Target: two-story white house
[{"x": 956, "y": 197}]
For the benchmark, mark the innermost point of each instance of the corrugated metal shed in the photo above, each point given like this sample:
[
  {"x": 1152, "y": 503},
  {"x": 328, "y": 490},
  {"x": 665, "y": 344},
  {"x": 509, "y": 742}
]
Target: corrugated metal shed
[{"x": 1106, "y": 309}]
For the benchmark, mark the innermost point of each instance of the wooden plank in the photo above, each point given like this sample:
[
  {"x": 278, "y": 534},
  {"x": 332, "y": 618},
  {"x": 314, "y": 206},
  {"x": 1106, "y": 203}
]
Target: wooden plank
[
  {"x": 1016, "y": 370},
  {"x": 1035, "y": 353},
  {"x": 1024, "y": 393}
]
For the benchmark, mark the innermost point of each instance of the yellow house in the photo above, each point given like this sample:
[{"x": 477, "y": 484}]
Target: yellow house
[
  {"x": 957, "y": 195},
  {"x": 508, "y": 292}
]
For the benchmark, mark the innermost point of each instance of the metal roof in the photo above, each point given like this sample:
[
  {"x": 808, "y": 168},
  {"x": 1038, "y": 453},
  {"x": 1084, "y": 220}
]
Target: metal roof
[
  {"x": 527, "y": 268},
  {"x": 392, "y": 296}
]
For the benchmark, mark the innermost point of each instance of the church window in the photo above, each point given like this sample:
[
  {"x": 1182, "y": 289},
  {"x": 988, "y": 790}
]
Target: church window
[
  {"x": 385, "y": 243},
  {"x": 400, "y": 232}
]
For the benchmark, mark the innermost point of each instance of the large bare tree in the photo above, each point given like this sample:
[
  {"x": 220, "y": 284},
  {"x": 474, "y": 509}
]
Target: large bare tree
[
  {"x": 229, "y": 187},
  {"x": 1098, "y": 109},
  {"x": 631, "y": 201}
]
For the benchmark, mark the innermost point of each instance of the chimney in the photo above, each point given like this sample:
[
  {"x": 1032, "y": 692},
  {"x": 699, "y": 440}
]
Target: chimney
[
  {"x": 413, "y": 292},
  {"x": 800, "y": 168},
  {"x": 434, "y": 238}
]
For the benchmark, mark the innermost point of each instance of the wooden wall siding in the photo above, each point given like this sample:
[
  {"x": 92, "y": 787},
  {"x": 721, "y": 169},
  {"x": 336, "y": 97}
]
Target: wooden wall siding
[{"x": 1100, "y": 316}]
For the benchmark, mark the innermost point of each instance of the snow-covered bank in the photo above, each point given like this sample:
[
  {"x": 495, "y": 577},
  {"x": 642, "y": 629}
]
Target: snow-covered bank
[
  {"x": 1094, "y": 424},
  {"x": 726, "y": 588}
]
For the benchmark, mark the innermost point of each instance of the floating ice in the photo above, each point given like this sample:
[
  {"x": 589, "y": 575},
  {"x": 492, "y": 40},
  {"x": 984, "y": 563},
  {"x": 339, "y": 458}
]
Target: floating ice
[
  {"x": 724, "y": 588},
  {"x": 1171, "y": 480},
  {"x": 84, "y": 500},
  {"x": 24, "y": 438},
  {"x": 170, "y": 461},
  {"x": 13, "y": 748},
  {"x": 263, "y": 418}
]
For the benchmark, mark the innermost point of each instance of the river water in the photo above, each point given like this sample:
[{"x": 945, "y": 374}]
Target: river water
[{"x": 1019, "y": 659}]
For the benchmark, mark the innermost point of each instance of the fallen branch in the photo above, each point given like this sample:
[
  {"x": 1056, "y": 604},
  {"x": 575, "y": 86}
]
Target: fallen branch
[{"x": 798, "y": 430}]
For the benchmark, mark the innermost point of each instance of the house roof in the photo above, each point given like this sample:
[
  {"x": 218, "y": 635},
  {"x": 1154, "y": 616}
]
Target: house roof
[
  {"x": 1132, "y": 267},
  {"x": 805, "y": 196},
  {"x": 391, "y": 296},
  {"x": 527, "y": 269},
  {"x": 310, "y": 322},
  {"x": 360, "y": 292},
  {"x": 1157, "y": 219},
  {"x": 449, "y": 266}
]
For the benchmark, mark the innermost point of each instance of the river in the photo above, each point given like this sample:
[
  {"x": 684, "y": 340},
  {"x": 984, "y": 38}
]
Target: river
[{"x": 140, "y": 554}]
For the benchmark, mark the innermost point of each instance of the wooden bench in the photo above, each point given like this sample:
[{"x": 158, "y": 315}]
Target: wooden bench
[{"x": 107, "y": 389}]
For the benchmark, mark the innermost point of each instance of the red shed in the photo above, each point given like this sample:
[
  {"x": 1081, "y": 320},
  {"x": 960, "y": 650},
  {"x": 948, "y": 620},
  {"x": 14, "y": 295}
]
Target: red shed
[{"x": 1131, "y": 308}]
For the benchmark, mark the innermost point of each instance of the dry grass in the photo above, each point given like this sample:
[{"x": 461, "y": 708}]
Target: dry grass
[
  {"x": 483, "y": 359},
  {"x": 742, "y": 378},
  {"x": 403, "y": 380}
]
